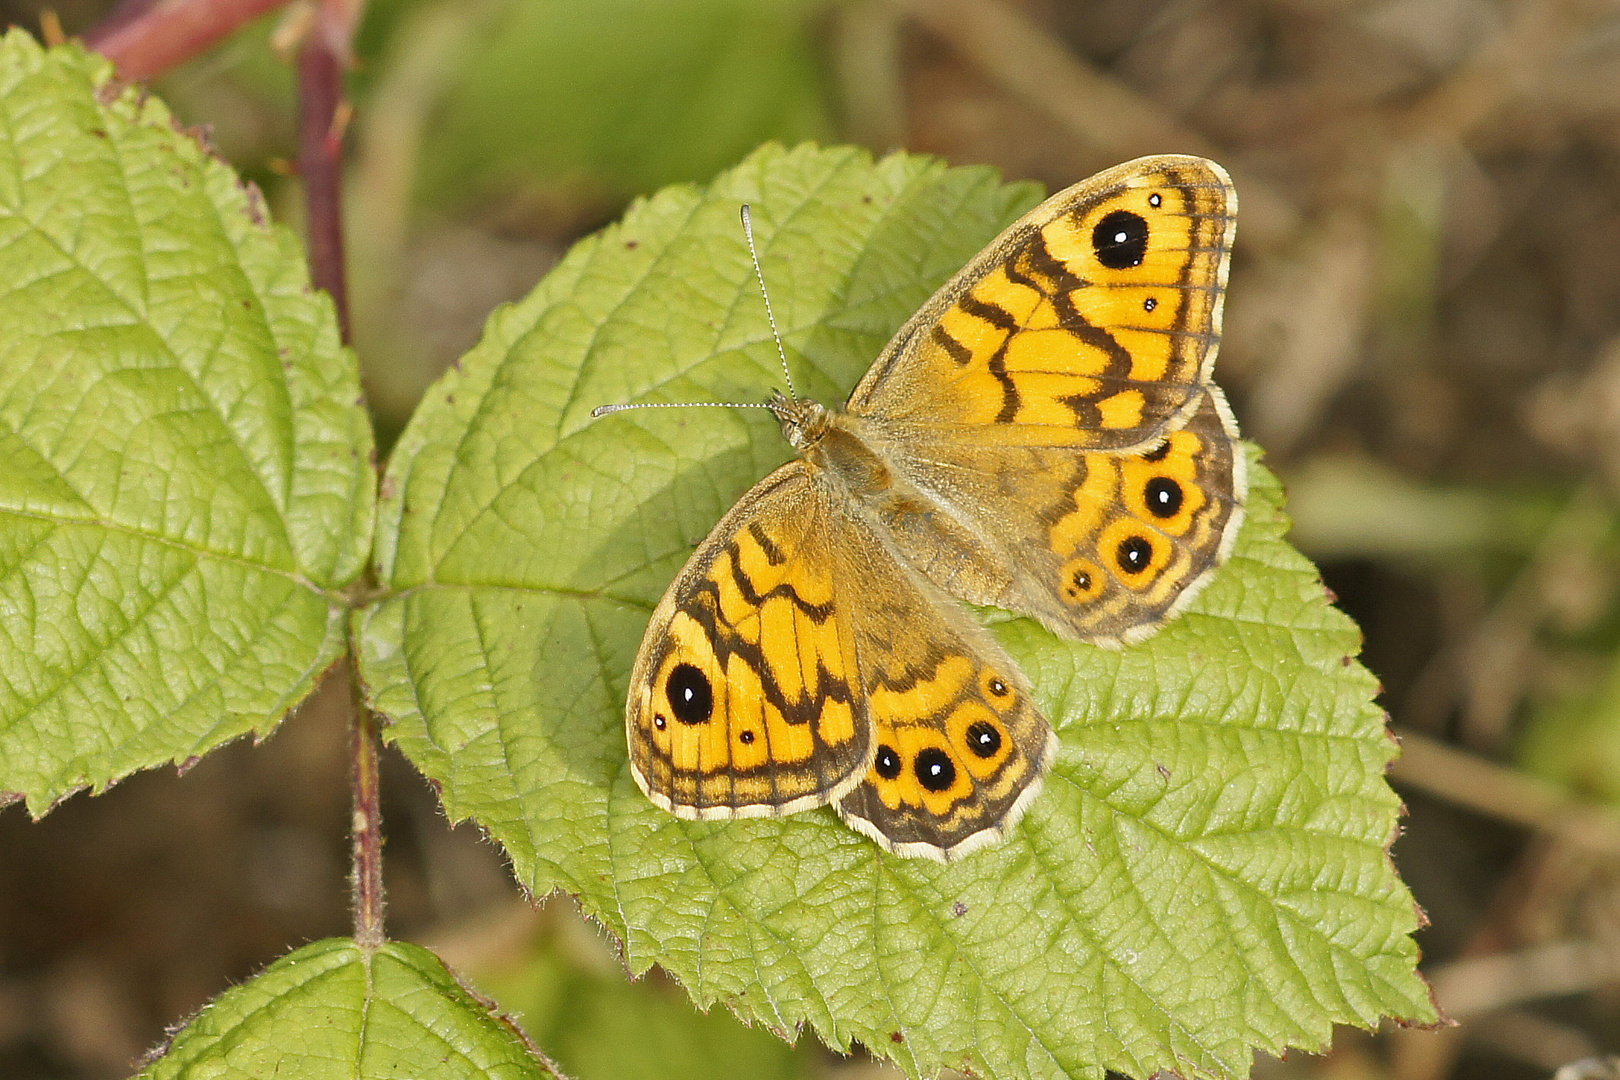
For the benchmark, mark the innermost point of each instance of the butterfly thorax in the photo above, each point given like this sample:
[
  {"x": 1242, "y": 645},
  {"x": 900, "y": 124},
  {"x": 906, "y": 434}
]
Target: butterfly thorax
[{"x": 829, "y": 441}]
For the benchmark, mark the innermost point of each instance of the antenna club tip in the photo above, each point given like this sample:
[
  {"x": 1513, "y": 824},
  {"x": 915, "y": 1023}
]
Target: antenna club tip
[{"x": 603, "y": 410}]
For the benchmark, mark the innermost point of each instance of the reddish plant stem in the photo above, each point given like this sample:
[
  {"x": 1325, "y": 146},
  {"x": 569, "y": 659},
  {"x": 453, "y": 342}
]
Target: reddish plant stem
[
  {"x": 366, "y": 840},
  {"x": 145, "y": 38},
  {"x": 321, "y": 122},
  {"x": 320, "y": 165}
]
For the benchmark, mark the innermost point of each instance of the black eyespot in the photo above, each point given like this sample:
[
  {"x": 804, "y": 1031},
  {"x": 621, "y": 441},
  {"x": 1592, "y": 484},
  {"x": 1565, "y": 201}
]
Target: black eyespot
[
  {"x": 1150, "y": 303},
  {"x": 887, "y": 762},
  {"x": 934, "y": 769},
  {"x": 1158, "y": 453},
  {"x": 983, "y": 738},
  {"x": 1120, "y": 240},
  {"x": 690, "y": 694},
  {"x": 1164, "y": 497},
  {"x": 1155, "y": 199},
  {"x": 1134, "y": 554},
  {"x": 746, "y": 737},
  {"x": 1079, "y": 584},
  {"x": 997, "y": 687},
  {"x": 659, "y": 722}
]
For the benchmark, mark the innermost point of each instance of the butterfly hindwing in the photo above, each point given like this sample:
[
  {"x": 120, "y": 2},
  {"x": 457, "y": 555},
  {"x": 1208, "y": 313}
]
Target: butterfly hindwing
[
  {"x": 1101, "y": 547},
  {"x": 959, "y": 745},
  {"x": 1136, "y": 536}
]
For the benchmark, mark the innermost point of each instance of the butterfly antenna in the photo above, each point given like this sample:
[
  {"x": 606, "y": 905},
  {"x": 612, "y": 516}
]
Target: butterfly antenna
[
  {"x": 753, "y": 253},
  {"x": 603, "y": 410}
]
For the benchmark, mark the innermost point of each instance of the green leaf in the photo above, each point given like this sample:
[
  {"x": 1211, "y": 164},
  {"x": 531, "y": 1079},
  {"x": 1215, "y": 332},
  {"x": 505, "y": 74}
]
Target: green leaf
[
  {"x": 186, "y": 477},
  {"x": 624, "y": 95},
  {"x": 333, "y": 1009},
  {"x": 1206, "y": 872}
]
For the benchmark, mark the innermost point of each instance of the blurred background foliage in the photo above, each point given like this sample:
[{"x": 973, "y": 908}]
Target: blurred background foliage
[{"x": 1423, "y": 332}]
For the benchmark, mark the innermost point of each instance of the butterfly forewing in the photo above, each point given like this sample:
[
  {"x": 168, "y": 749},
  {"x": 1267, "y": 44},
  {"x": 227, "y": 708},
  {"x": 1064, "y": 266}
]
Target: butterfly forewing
[
  {"x": 743, "y": 702},
  {"x": 1090, "y": 323}
]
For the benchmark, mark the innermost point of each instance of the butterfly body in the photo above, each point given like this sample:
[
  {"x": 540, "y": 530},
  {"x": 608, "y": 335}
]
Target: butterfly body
[{"x": 1041, "y": 436}]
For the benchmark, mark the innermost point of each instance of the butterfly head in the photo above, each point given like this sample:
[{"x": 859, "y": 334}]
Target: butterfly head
[{"x": 803, "y": 422}]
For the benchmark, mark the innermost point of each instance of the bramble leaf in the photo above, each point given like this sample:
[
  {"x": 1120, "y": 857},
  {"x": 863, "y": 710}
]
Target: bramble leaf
[
  {"x": 185, "y": 477},
  {"x": 1206, "y": 873},
  {"x": 335, "y": 1010}
]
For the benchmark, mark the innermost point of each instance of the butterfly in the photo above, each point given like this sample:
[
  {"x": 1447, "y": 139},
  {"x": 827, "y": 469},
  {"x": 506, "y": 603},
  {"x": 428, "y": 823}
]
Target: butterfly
[{"x": 1041, "y": 436}]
